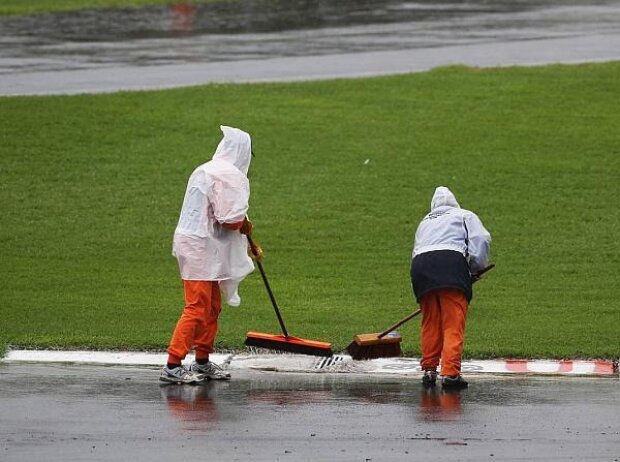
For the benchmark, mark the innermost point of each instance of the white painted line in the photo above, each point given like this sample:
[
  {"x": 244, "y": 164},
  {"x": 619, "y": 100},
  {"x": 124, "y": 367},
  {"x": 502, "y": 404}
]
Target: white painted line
[{"x": 311, "y": 364}]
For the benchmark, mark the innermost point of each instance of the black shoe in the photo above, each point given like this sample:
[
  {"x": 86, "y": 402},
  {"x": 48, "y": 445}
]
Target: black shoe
[
  {"x": 429, "y": 379},
  {"x": 454, "y": 382}
]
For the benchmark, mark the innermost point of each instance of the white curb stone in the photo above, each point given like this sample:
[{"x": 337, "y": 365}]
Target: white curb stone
[{"x": 311, "y": 364}]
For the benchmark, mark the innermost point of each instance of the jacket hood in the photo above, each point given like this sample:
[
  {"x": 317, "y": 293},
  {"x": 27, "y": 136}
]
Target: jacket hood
[
  {"x": 443, "y": 197},
  {"x": 235, "y": 148}
]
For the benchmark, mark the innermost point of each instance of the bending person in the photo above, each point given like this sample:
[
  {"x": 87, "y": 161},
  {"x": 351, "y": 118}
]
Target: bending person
[{"x": 451, "y": 245}]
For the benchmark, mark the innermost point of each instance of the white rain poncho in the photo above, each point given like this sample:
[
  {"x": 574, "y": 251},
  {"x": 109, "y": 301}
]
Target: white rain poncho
[
  {"x": 449, "y": 227},
  {"x": 217, "y": 192}
]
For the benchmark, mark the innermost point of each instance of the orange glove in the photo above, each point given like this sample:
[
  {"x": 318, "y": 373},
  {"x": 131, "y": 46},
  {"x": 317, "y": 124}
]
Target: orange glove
[
  {"x": 256, "y": 253},
  {"x": 246, "y": 227}
]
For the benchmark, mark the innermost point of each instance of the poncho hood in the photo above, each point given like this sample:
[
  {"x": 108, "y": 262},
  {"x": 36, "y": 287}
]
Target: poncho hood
[{"x": 235, "y": 148}]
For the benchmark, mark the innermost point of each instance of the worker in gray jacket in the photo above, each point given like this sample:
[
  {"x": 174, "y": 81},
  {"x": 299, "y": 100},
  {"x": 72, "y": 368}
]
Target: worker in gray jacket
[{"x": 451, "y": 247}]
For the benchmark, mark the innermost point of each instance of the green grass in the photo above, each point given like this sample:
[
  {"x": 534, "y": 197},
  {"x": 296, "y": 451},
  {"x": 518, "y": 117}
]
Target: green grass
[
  {"x": 21, "y": 7},
  {"x": 91, "y": 187}
]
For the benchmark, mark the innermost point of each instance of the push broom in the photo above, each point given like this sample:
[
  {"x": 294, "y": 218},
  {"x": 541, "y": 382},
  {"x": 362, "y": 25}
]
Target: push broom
[
  {"x": 284, "y": 342},
  {"x": 371, "y": 346},
  {"x": 387, "y": 343}
]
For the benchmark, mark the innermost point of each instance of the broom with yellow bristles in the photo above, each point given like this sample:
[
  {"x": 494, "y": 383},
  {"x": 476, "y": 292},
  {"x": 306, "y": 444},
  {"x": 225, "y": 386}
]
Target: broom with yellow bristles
[{"x": 387, "y": 343}]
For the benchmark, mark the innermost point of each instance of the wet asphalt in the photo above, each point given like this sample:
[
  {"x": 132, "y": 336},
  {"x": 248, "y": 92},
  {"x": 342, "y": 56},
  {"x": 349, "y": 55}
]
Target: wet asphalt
[
  {"x": 75, "y": 413},
  {"x": 288, "y": 40}
]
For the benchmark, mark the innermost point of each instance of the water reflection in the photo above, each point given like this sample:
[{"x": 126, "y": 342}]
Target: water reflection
[
  {"x": 183, "y": 17},
  {"x": 255, "y": 16},
  {"x": 260, "y": 29},
  {"x": 192, "y": 405},
  {"x": 440, "y": 405},
  {"x": 201, "y": 407},
  {"x": 204, "y": 407}
]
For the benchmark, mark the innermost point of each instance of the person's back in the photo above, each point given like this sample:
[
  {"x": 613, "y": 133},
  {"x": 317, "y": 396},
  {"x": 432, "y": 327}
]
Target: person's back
[{"x": 450, "y": 243}]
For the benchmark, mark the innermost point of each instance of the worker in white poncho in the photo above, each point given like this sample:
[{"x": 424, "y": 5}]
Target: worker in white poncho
[{"x": 211, "y": 248}]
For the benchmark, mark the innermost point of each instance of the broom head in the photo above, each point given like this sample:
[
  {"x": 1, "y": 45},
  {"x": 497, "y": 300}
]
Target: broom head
[
  {"x": 290, "y": 344},
  {"x": 370, "y": 346}
]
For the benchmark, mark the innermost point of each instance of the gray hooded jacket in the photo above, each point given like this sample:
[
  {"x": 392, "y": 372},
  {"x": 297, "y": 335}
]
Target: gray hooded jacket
[{"x": 451, "y": 243}]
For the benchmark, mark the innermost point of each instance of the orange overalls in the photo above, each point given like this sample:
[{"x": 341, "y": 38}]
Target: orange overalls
[
  {"x": 197, "y": 327},
  {"x": 443, "y": 330}
]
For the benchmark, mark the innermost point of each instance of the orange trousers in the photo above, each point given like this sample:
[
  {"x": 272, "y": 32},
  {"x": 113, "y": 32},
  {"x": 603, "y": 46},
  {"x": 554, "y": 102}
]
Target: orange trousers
[
  {"x": 443, "y": 330},
  {"x": 197, "y": 326}
]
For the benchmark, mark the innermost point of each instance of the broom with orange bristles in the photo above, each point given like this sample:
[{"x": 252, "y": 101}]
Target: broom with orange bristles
[
  {"x": 283, "y": 342},
  {"x": 387, "y": 343},
  {"x": 383, "y": 345}
]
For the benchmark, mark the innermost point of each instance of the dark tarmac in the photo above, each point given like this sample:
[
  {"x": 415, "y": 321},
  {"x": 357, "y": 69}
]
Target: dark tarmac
[
  {"x": 288, "y": 40},
  {"x": 77, "y": 413}
]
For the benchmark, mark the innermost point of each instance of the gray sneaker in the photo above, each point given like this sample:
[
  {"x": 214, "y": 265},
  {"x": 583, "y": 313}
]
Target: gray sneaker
[
  {"x": 210, "y": 370},
  {"x": 179, "y": 375}
]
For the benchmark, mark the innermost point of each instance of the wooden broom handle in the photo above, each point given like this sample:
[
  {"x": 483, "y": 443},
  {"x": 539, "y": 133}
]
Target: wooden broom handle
[
  {"x": 484, "y": 270},
  {"x": 400, "y": 323},
  {"x": 415, "y": 313}
]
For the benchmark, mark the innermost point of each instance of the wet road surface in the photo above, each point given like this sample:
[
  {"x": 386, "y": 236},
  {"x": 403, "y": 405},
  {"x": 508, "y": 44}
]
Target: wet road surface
[
  {"x": 271, "y": 40},
  {"x": 65, "y": 413},
  {"x": 261, "y": 29}
]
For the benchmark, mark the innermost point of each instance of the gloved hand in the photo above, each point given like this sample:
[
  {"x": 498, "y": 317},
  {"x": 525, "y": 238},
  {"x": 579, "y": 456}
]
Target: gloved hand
[
  {"x": 477, "y": 276},
  {"x": 256, "y": 253},
  {"x": 246, "y": 227}
]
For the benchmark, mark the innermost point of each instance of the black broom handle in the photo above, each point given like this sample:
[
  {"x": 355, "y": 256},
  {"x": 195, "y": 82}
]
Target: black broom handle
[
  {"x": 271, "y": 297},
  {"x": 415, "y": 313}
]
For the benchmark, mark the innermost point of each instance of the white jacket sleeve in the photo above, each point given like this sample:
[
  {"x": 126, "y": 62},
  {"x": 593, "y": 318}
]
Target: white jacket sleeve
[
  {"x": 230, "y": 199},
  {"x": 479, "y": 243}
]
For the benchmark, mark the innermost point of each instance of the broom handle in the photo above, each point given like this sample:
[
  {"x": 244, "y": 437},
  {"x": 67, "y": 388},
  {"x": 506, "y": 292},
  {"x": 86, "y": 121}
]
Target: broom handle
[
  {"x": 400, "y": 323},
  {"x": 415, "y": 313},
  {"x": 271, "y": 297},
  {"x": 484, "y": 270}
]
